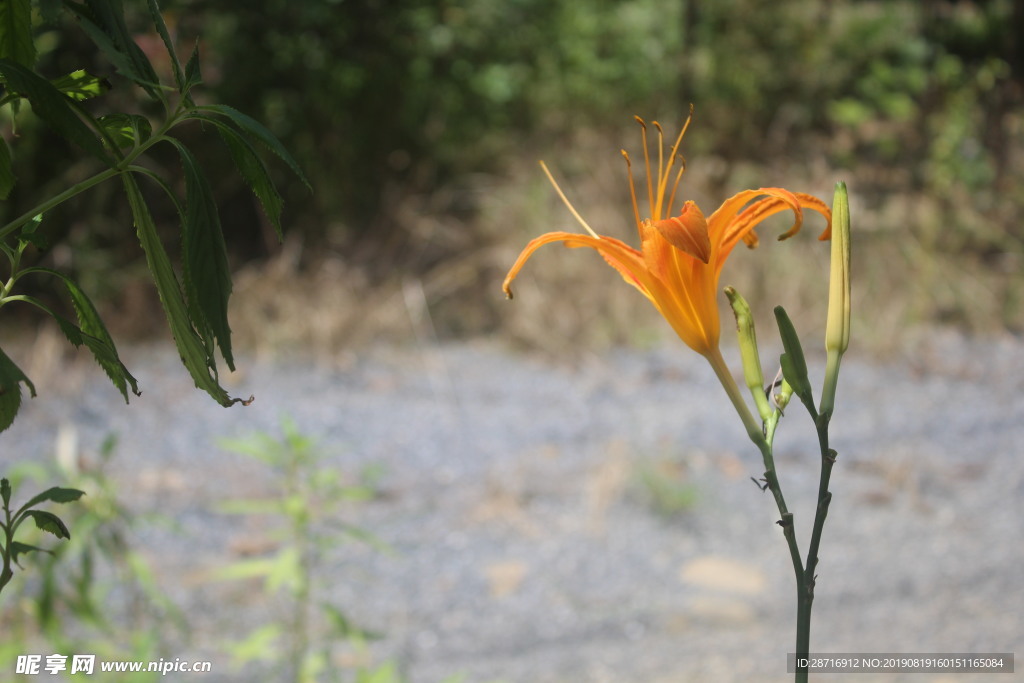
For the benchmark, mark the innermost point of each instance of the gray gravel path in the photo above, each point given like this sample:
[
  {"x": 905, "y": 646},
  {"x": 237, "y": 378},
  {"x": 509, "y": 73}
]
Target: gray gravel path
[{"x": 526, "y": 550}]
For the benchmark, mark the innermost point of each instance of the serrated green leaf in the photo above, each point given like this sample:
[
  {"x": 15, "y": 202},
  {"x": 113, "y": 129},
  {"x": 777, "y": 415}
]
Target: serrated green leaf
[
  {"x": 103, "y": 21},
  {"x": 81, "y": 85},
  {"x": 18, "y": 549},
  {"x": 161, "y": 28},
  {"x": 254, "y": 172},
  {"x": 126, "y": 130},
  {"x": 49, "y": 522},
  {"x": 7, "y": 178},
  {"x": 93, "y": 333},
  {"x": 207, "y": 276},
  {"x": 57, "y": 110},
  {"x": 55, "y": 494},
  {"x": 251, "y": 126},
  {"x": 16, "y": 41},
  {"x": 11, "y": 378},
  {"x": 193, "y": 75},
  {"x": 195, "y": 355}
]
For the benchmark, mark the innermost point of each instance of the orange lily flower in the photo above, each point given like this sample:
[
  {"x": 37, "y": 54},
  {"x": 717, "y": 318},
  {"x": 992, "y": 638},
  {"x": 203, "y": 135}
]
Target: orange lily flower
[{"x": 680, "y": 260}]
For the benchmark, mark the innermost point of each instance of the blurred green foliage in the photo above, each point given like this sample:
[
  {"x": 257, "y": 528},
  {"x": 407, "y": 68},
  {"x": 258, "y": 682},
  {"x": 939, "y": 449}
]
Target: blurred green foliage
[{"x": 390, "y": 104}]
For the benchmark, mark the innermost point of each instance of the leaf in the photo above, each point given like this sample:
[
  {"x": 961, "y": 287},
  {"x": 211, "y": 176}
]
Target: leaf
[
  {"x": 18, "y": 549},
  {"x": 103, "y": 21},
  {"x": 11, "y": 378},
  {"x": 260, "y": 644},
  {"x": 194, "y": 353},
  {"x": 161, "y": 28},
  {"x": 245, "y": 569},
  {"x": 16, "y": 41},
  {"x": 7, "y": 178},
  {"x": 207, "y": 276},
  {"x": 251, "y": 126},
  {"x": 55, "y": 494},
  {"x": 344, "y": 627},
  {"x": 126, "y": 130},
  {"x": 285, "y": 570},
  {"x": 253, "y": 171},
  {"x": 47, "y": 521},
  {"x": 81, "y": 85},
  {"x": 193, "y": 76},
  {"x": 93, "y": 333},
  {"x": 53, "y": 107},
  {"x": 794, "y": 367}
]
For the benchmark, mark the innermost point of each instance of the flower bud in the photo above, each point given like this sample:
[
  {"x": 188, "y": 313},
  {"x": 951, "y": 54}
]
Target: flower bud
[
  {"x": 837, "y": 331},
  {"x": 752, "y": 375}
]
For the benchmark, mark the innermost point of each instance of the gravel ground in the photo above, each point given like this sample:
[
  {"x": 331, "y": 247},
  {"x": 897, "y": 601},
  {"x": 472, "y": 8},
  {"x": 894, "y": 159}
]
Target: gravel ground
[{"x": 524, "y": 547}]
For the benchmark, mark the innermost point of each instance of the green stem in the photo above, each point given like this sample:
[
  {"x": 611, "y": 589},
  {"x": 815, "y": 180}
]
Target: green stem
[
  {"x": 763, "y": 437},
  {"x": 732, "y": 389},
  {"x": 123, "y": 165},
  {"x": 6, "y": 573},
  {"x": 67, "y": 194}
]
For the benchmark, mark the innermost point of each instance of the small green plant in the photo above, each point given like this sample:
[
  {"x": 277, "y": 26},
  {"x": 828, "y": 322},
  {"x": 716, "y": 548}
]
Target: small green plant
[
  {"x": 11, "y": 550},
  {"x": 666, "y": 488},
  {"x": 66, "y": 605},
  {"x": 305, "y": 524}
]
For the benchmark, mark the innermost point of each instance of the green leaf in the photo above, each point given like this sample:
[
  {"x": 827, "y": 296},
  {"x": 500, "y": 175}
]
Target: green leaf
[
  {"x": 93, "y": 333},
  {"x": 11, "y": 378},
  {"x": 194, "y": 353},
  {"x": 49, "y": 522},
  {"x": 7, "y": 178},
  {"x": 161, "y": 28},
  {"x": 55, "y": 494},
  {"x": 251, "y": 126},
  {"x": 16, "y": 41},
  {"x": 245, "y": 569},
  {"x": 103, "y": 21},
  {"x": 18, "y": 549},
  {"x": 260, "y": 644},
  {"x": 81, "y": 85},
  {"x": 193, "y": 76},
  {"x": 253, "y": 171},
  {"x": 53, "y": 107},
  {"x": 794, "y": 367},
  {"x": 207, "y": 276},
  {"x": 344, "y": 627},
  {"x": 126, "y": 130}
]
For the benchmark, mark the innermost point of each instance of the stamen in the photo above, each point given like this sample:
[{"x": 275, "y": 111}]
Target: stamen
[
  {"x": 675, "y": 151},
  {"x": 632, "y": 192},
  {"x": 656, "y": 212},
  {"x": 647, "y": 162},
  {"x": 675, "y": 185},
  {"x": 566, "y": 201}
]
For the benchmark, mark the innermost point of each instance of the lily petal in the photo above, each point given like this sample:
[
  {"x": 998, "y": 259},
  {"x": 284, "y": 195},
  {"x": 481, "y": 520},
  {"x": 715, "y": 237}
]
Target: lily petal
[
  {"x": 625, "y": 259},
  {"x": 688, "y": 231}
]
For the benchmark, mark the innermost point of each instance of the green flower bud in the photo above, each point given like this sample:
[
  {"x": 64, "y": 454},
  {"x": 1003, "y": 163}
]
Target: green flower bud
[{"x": 752, "y": 375}]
